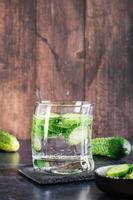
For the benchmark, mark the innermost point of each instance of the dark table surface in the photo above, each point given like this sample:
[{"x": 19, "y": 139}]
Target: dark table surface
[{"x": 14, "y": 186}]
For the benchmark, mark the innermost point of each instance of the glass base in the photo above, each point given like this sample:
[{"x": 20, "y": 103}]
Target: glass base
[{"x": 64, "y": 165}]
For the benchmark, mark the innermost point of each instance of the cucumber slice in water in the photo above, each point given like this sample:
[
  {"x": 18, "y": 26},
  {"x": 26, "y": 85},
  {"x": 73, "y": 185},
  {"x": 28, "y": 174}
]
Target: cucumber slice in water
[
  {"x": 71, "y": 119},
  {"x": 36, "y": 142},
  {"x": 118, "y": 171},
  {"x": 38, "y": 125},
  {"x": 77, "y": 136},
  {"x": 54, "y": 116},
  {"x": 41, "y": 164}
]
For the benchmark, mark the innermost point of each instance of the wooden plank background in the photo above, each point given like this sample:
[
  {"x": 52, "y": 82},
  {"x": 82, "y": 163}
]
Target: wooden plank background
[{"x": 67, "y": 50}]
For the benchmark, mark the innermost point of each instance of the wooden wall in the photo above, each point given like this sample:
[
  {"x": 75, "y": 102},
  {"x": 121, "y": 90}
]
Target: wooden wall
[{"x": 67, "y": 50}]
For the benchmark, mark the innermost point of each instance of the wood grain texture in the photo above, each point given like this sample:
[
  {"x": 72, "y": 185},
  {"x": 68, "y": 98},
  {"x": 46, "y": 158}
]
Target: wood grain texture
[
  {"x": 109, "y": 65},
  {"x": 60, "y": 49},
  {"x": 17, "y": 65}
]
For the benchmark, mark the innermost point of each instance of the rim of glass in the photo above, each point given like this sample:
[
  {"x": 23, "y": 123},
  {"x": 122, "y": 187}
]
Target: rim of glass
[{"x": 77, "y": 103}]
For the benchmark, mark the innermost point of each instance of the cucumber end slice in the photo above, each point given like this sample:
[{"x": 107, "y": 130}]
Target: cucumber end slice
[{"x": 41, "y": 164}]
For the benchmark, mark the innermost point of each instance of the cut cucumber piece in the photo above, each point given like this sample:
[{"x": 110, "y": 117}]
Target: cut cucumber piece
[
  {"x": 36, "y": 142},
  {"x": 118, "y": 171},
  {"x": 77, "y": 136},
  {"x": 41, "y": 164},
  {"x": 38, "y": 125},
  {"x": 71, "y": 119},
  {"x": 54, "y": 115}
]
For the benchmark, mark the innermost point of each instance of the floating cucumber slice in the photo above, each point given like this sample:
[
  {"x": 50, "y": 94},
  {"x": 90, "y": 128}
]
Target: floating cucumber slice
[
  {"x": 118, "y": 171},
  {"x": 36, "y": 142},
  {"x": 77, "y": 136},
  {"x": 70, "y": 119},
  {"x": 38, "y": 125},
  {"x": 41, "y": 164},
  {"x": 54, "y": 115}
]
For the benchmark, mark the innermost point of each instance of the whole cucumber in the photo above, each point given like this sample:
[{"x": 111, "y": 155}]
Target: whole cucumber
[
  {"x": 113, "y": 147},
  {"x": 8, "y": 142}
]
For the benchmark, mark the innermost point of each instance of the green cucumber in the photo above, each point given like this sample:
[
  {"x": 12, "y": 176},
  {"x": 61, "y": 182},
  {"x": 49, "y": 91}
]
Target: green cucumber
[
  {"x": 113, "y": 147},
  {"x": 8, "y": 142},
  {"x": 59, "y": 124},
  {"x": 124, "y": 171},
  {"x": 41, "y": 164},
  {"x": 71, "y": 119},
  {"x": 36, "y": 142},
  {"x": 130, "y": 176},
  {"x": 77, "y": 136},
  {"x": 118, "y": 171},
  {"x": 79, "y": 127},
  {"x": 38, "y": 125}
]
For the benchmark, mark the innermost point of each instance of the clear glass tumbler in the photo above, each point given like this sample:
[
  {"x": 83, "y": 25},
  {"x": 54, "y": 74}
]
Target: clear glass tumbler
[{"x": 61, "y": 137}]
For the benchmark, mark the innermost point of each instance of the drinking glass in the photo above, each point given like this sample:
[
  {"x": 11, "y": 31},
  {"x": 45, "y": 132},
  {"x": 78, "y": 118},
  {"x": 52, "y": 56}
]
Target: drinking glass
[{"x": 61, "y": 137}]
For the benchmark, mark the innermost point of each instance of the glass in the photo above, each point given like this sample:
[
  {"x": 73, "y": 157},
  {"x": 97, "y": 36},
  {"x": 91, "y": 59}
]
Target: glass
[{"x": 61, "y": 137}]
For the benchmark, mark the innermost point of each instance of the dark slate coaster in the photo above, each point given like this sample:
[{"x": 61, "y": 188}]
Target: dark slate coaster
[{"x": 47, "y": 178}]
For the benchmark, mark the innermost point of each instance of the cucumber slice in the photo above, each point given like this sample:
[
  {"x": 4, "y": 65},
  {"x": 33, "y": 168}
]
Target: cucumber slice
[
  {"x": 130, "y": 176},
  {"x": 36, "y": 142},
  {"x": 118, "y": 171},
  {"x": 38, "y": 125},
  {"x": 54, "y": 116},
  {"x": 77, "y": 136},
  {"x": 41, "y": 164},
  {"x": 71, "y": 119}
]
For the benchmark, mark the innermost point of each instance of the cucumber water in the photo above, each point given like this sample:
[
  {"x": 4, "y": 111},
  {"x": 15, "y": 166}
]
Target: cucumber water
[{"x": 62, "y": 142}]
